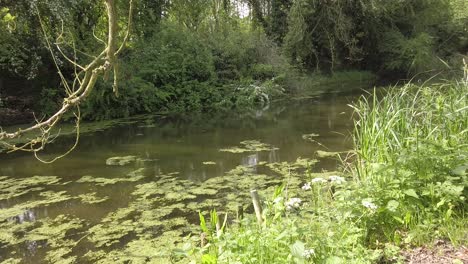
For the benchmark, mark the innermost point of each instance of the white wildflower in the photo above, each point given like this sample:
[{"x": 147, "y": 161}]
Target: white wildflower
[
  {"x": 336, "y": 179},
  {"x": 318, "y": 180},
  {"x": 293, "y": 203},
  {"x": 369, "y": 205},
  {"x": 306, "y": 186},
  {"x": 308, "y": 253}
]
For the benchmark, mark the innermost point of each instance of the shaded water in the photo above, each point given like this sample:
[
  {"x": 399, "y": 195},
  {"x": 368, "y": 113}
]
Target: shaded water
[{"x": 181, "y": 161}]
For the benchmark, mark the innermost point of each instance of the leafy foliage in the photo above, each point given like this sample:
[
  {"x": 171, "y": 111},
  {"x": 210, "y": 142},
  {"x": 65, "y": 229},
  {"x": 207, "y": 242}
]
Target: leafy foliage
[{"x": 406, "y": 186}]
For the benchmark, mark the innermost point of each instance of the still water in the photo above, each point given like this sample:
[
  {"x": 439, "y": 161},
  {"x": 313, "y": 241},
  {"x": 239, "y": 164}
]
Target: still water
[{"x": 79, "y": 209}]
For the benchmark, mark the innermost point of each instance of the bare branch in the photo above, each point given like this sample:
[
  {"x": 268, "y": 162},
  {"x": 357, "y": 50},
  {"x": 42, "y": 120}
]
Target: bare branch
[{"x": 84, "y": 80}]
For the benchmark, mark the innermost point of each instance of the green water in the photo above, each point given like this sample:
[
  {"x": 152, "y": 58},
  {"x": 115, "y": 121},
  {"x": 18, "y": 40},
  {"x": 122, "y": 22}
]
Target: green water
[{"x": 90, "y": 212}]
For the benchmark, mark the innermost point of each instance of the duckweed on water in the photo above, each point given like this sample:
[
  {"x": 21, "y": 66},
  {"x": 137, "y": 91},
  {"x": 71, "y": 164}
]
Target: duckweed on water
[
  {"x": 11, "y": 187},
  {"x": 106, "y": 181},
  {"x": 112, "y": 227},
  {"x": 91, "y": 198},
  {"x": 132, "y": 177},
  {"x": 152, "y": 220},
  {"x": 120, "y": 161},
  {"x": 310, "y": 137},
  {"x": 11, "y": 233},
  {"x": 49, "y": 197},
  {"x": 286, "y": 168},
  {"x": 145, "y": 249},
  {"x": 328, "y": 154},
  {"x": 249, "y": 146},
  {"x": 11, "y": 261},
  {"x": 55, "y": 232}
]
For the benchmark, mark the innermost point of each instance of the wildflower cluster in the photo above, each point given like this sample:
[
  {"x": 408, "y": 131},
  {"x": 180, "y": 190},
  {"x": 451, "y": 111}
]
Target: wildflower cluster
[
  {"x": 318, "y": 180},
  {"x": 336, "y": 179},
  {"x": 308, "y": 253},
  {"x": 293, "y": 203},
  {"x": 332, "y": 179},
  {"x": 369, "y": 205}
]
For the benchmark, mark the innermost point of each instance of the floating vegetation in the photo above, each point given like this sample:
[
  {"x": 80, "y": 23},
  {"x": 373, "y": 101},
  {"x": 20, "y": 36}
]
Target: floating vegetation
[
  {"x": 327, "y": 154},
  {"x": 310, "y": 137},
  {"x": 179, "y": 196},
  {"x": 91, "y": 198},
  {"x": 56, "y": 232},
  {"x": 49, "y": 197},
  {"x": 286, "y": 168},
  {"x": 15, "y": 187},
  {"x": 149, "y": 189},
  {"x": 152, "y": 223},
  {"x": 12, "y": 232},
  {"x": 120, "y": 161},
  {"x": 11, "y": 261},
  {"x": 249, "y": 146},
  {"x": 145, "y": 249},
  {"x": 201, "y": 190},
  {"x": 133, "y": 177},
  {"x": 112, "y": 227}
]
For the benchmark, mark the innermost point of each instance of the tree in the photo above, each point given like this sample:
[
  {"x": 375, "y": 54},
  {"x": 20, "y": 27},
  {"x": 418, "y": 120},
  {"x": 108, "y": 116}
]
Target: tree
[{"x": 85, "y": 76}]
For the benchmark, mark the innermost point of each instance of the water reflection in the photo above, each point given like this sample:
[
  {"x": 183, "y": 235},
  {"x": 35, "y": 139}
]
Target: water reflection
[{"x": 28, "y": 216}]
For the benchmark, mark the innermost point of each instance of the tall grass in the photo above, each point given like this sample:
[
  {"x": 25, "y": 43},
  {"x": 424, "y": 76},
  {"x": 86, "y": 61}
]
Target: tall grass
[
  {"x": 411, "y": 120},
  {"x": 412, "y": 153}
]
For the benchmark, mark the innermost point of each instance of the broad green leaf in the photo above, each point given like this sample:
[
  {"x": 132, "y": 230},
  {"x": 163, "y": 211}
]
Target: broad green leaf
[
  {"x": 203, "y": 226},
  {"x": 460, "y": 170},
  {"x": 392, "y": 205},
  {"x": 208, "y": 259},
  {"x": 412, "y": 193},
  {"x": 297, "y": 249}
]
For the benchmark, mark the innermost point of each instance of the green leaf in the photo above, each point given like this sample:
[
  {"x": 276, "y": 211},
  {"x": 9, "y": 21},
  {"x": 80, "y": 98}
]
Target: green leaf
[
  {"x": 334, "y": 260},
  {"x": 412, "y": 193},
  {"x": 208, "y": 259},
  {"x": 203, "y": 223},
  {"x": 392, "y": 205},
  {"x": 460, "y": 170},
  {"x": 297, "y": 249},
  {"x": 8, "y": 17}
]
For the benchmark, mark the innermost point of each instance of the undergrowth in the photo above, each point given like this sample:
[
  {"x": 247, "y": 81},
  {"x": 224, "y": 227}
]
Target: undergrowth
[{"x": 405, "y": 185}]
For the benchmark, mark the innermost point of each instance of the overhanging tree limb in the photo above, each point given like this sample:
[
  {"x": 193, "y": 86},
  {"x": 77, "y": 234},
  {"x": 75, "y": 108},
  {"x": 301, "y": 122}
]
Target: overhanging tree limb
[{"x": 84, "y": 81}]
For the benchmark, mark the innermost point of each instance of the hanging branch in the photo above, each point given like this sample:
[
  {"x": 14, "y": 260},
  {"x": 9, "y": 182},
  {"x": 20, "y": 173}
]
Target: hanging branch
[{"x": 82, "y": 85}]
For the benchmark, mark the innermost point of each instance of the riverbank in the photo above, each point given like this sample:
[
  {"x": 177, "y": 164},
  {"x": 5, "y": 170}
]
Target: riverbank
[
  {"x": 242, "y": 98},
  {"x": 403, "y": 186}
]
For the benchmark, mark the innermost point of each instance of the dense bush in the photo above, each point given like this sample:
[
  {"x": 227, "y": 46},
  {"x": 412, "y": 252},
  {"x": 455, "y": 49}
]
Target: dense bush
[{"x": 178, "y": 70}]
